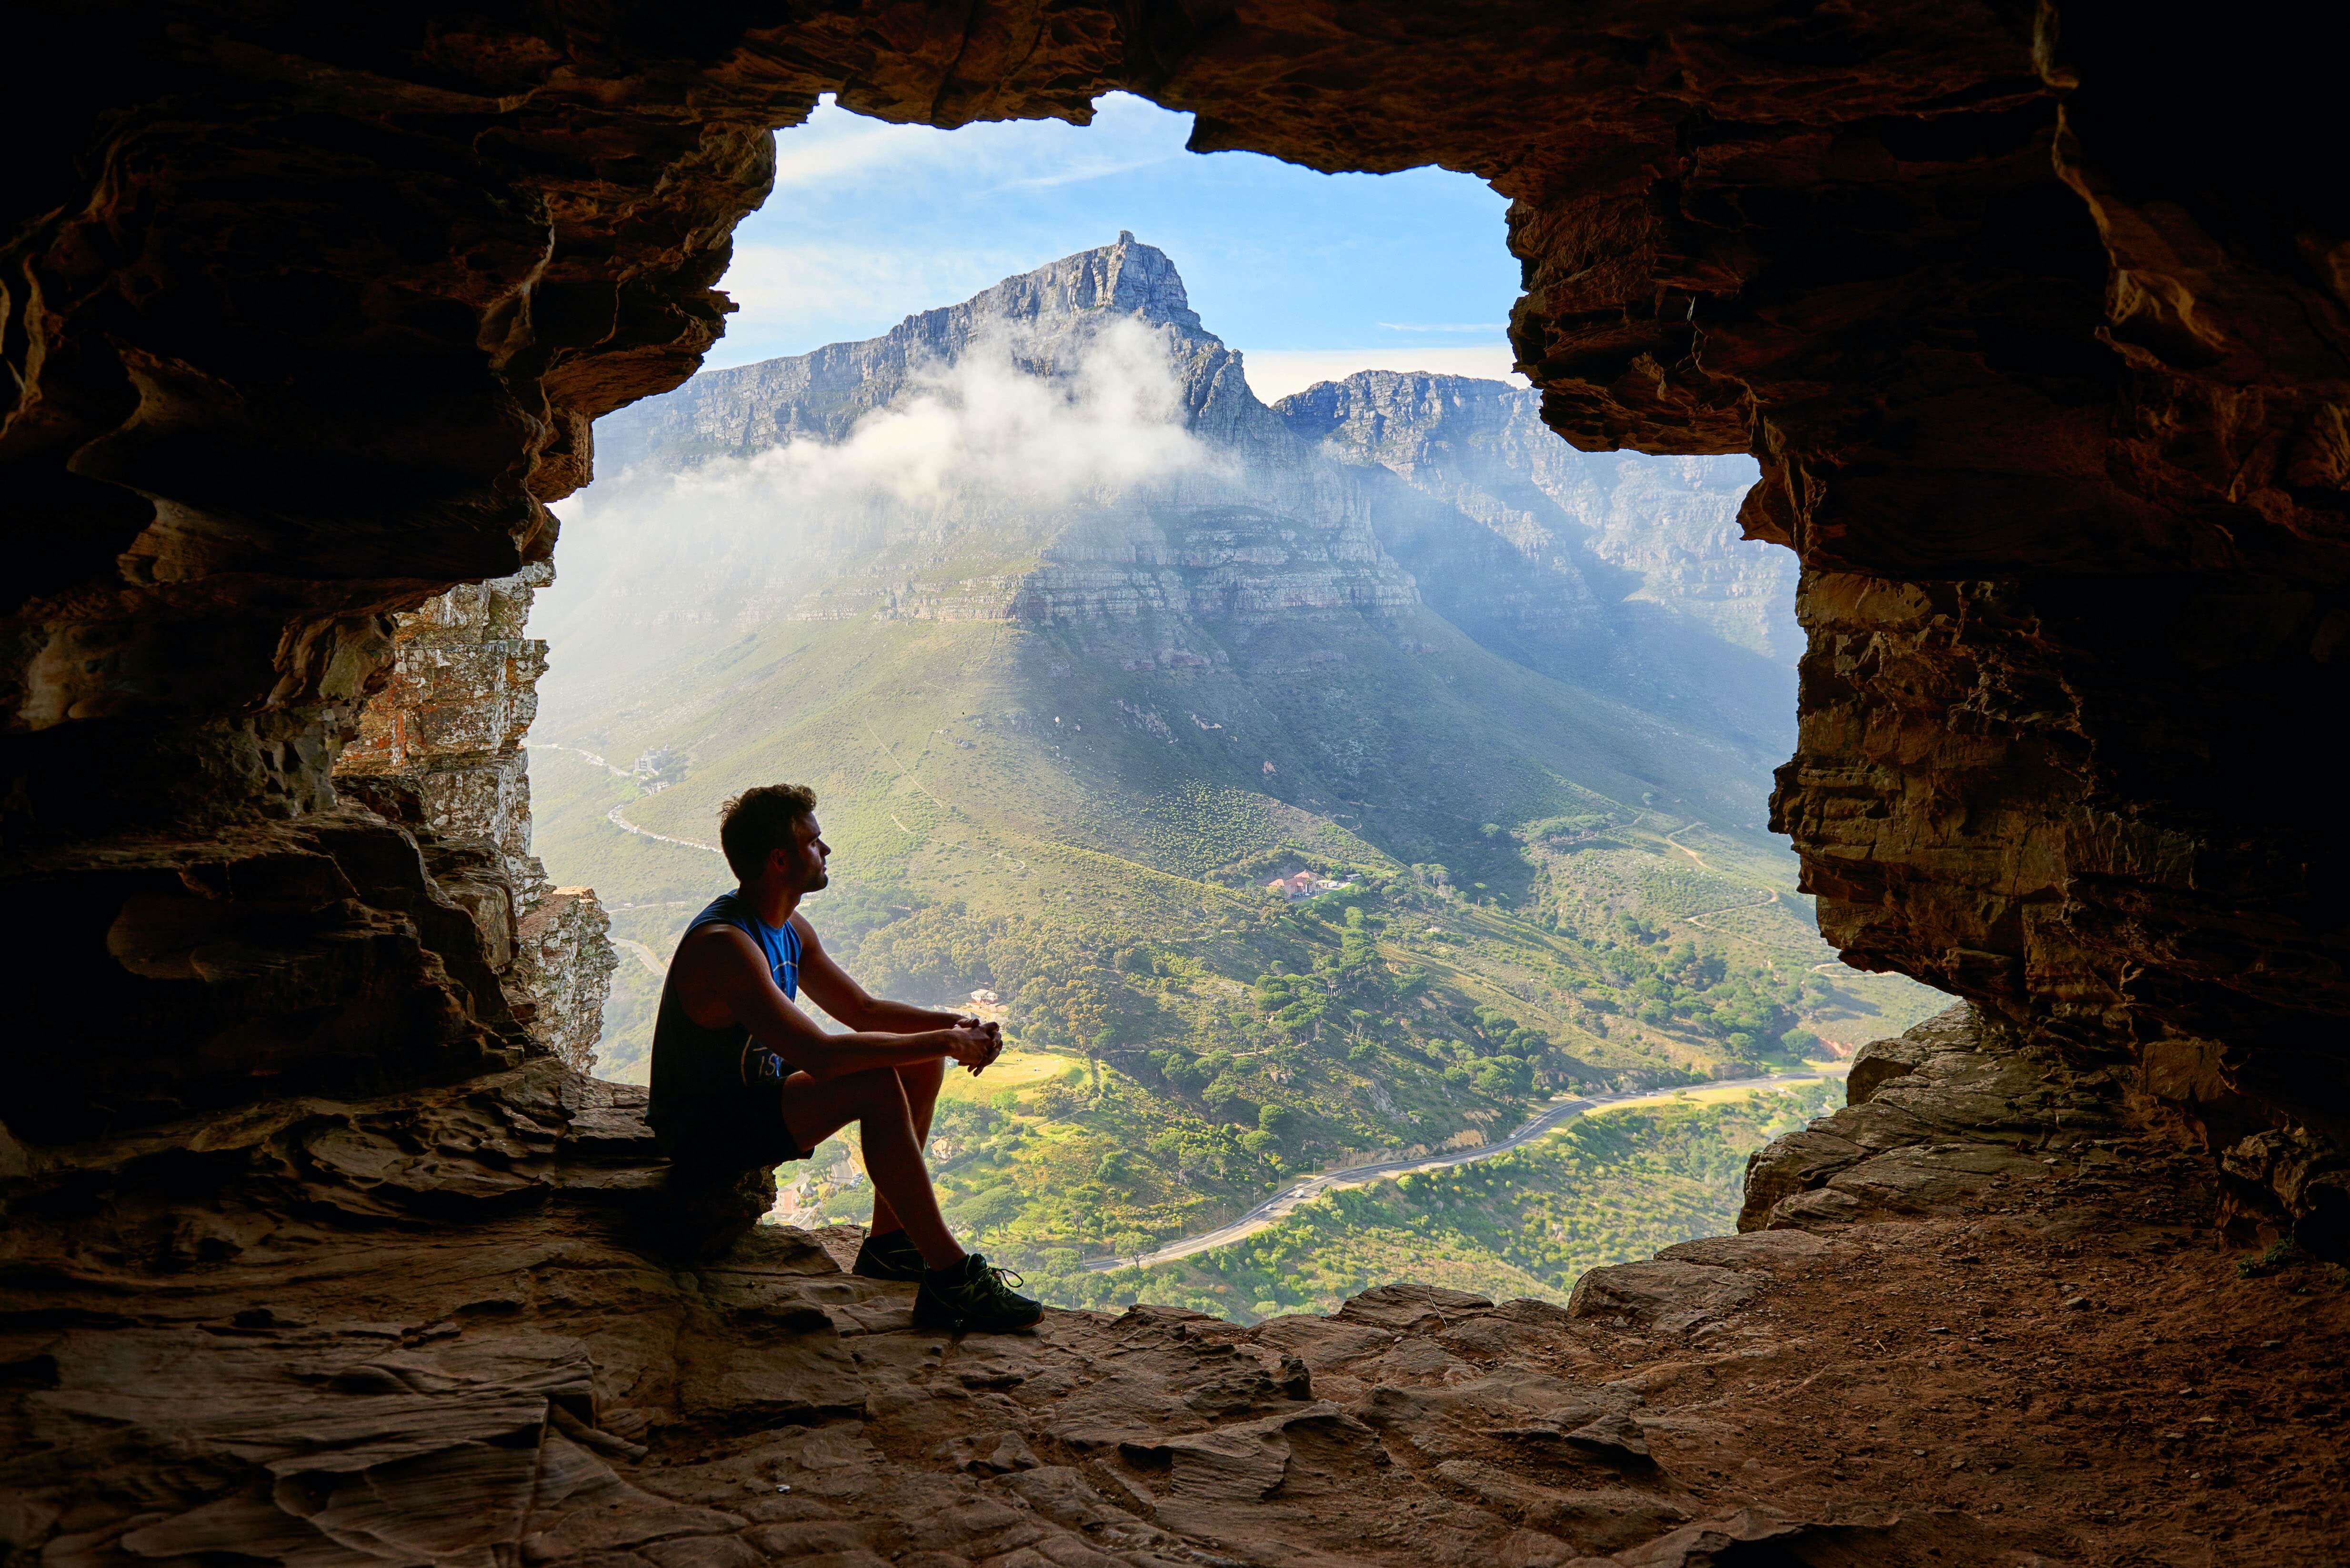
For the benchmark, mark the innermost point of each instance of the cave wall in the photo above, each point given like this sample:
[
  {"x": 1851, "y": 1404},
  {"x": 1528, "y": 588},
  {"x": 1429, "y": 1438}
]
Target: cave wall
[
  {"x": 2034, "y": 316},
  {"x": 438, "y": 747}
]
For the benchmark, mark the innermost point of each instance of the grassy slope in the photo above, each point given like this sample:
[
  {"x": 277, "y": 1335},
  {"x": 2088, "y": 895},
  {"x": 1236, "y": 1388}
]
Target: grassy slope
[{"x": 1518, "y": 923}]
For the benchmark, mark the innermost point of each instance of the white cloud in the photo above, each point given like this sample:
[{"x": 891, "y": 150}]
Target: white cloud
[
  {"x": 1277, "y": 372},
  {"x": 823, "y": 149},
  {"x": 978, "y": 443},
  {"x": 983, "y": 427}
]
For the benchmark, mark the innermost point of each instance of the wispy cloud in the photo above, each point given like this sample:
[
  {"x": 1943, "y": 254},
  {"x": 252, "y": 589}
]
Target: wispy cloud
[
  {"x": 980, "y": 447},
  {"x": 1079, "y": 176}
]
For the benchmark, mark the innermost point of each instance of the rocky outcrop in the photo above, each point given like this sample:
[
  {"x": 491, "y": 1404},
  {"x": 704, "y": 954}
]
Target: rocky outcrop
[
  {"x": 440, "y": 748},
  {"x": 451, "y": 712},
  {"x": 1943, "y": 1115},
  {"x": 343, "y": 953},
  {"x": 484, "y": 1323},
  {"x": 563, "y": 960}
]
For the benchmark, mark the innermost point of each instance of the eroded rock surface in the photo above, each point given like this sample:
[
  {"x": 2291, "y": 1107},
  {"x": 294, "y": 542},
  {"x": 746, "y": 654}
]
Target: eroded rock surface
[
  {"x": 2039, "y": 340},
  {"x": 479, "y": 1324}
]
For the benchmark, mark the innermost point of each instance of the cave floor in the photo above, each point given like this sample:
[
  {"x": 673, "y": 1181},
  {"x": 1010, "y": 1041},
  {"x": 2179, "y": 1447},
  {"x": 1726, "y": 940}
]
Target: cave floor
[
  {"x": 2082, "y": 1376},
  {"x": 438, "y": 1329}
]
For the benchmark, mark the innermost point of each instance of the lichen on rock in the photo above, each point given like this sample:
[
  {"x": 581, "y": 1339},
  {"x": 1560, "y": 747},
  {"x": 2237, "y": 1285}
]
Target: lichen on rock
[{"x": 440, "y": 746}]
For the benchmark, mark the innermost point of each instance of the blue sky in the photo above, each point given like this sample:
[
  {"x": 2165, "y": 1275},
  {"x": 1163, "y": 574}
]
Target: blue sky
[{"x": 1310, "y": 275}]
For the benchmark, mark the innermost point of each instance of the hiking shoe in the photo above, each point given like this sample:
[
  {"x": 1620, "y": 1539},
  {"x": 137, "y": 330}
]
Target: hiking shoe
[
  {"x": 893, "y": 1256},
  {"x": 972, "y": 1298}
]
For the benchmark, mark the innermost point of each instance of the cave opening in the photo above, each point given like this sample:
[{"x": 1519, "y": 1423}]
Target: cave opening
[
  {"x": 2035, "y": 332},
  {"x": 1035, "y": 574}
]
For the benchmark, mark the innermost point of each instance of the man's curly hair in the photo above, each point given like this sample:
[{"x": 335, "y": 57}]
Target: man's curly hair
[{"x": 758, "y": 822}]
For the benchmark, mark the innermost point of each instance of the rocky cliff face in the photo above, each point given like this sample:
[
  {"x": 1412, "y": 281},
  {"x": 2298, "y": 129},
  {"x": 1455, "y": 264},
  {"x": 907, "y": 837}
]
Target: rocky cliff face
[
  {"x": 1246, "y": 526},
  {"x": 1621, "y": 571},
  {"x": 439, "y": 748}
]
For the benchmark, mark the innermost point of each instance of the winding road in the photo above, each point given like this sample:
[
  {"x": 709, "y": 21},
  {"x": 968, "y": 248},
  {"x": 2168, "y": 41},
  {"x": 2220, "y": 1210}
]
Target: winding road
[
  {"x": 1289, "y": 1198},
  {"x": 622, "y": 823}
]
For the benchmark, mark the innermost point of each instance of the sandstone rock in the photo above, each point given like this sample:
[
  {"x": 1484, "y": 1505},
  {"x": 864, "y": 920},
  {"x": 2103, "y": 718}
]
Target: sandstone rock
[
  {"x": 439, "y": 748},
  {"x": 563, "y": 967},
  {"x": 1409, "y": 1306},
  {"x": 1665, "y": 1295},
  {"x": 1768, "y": 1251},
  {"x": 460, "y": 1323},
  {"x": 1716, "y": 1543},
  {"x": 1957, "y": 1123},
  {"x": 1879, "y": 1062},
  {"x": 1791, "y": 1163}
]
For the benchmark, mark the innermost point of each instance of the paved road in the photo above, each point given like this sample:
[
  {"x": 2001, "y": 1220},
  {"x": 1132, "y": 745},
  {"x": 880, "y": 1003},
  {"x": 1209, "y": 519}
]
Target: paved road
[
  {"x": 1288, "y": 1199},
  {"x": 643, "y": 955}
]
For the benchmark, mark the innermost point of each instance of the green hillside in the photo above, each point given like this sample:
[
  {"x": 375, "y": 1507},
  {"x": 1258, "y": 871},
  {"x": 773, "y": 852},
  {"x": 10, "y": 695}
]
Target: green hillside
[
  {"x": 1515, "y": 926},
  {"x": 1602, "y": 1189}
]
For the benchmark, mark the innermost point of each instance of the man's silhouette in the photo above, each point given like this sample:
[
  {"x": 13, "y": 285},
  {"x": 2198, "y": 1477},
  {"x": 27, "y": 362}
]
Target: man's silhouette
[{"x": 741, "y": 1076}]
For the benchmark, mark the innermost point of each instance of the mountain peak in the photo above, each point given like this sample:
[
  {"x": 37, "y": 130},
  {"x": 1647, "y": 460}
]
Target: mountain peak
[
  {"x": 823, "y": 393},
  {"x": 1129, "y": 279}
]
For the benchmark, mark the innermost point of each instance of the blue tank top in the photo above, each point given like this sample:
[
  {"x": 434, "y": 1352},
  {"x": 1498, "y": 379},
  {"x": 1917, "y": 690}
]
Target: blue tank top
[
  {"x": 780, "y": 943},
  {"x": 719, "y": 1083}
]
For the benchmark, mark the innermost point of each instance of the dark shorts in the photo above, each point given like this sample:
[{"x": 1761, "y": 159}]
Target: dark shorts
[{"x": 741, "y": 1132}]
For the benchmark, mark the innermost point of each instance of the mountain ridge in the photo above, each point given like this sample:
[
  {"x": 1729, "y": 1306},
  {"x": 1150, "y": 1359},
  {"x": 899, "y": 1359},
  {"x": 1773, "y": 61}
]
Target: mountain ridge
[
  {"x": 821, "y": 394},
  {"x": 1521, "y": 540}
]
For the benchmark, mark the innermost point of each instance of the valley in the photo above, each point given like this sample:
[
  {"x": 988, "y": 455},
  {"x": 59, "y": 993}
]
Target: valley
[{"x": 1518, "y": 704}]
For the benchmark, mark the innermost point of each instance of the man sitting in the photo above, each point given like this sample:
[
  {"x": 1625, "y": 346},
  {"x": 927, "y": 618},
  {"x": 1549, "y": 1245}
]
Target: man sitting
[{"x": 742, "y": 1077}]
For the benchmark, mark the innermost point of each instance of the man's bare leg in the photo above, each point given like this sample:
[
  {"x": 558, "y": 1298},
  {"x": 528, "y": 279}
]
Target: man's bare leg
[
  {"x": 921, "y": 1081},
  {"x": 876, "y": 1100}
]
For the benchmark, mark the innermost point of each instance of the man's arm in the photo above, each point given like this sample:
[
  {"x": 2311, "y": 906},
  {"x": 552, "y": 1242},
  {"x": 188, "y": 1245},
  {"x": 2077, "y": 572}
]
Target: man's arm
[
  {"x": 846, "y": 1000},
  {"x": 723, "y": 965}
]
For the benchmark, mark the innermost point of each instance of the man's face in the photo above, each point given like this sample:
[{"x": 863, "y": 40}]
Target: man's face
[{"x": 801, "y": 867}]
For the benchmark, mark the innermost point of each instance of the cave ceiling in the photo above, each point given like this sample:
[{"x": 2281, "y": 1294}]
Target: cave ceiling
[{"x": 2034, "y": 316}]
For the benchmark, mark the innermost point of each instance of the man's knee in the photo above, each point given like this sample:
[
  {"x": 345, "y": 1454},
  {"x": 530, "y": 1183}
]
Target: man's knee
[
  {"x": 875, "y": 1088},
  {"x": 923, "y": 1078}
]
